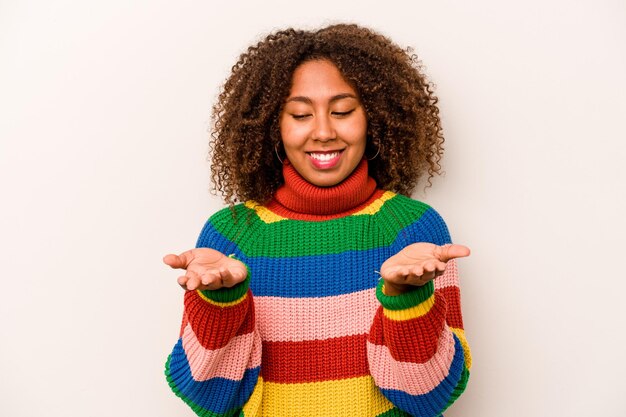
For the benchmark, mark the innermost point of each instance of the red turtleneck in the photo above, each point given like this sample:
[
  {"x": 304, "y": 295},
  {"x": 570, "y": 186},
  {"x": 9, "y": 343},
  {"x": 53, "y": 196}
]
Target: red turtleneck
[{"x": 300, "y": 200}]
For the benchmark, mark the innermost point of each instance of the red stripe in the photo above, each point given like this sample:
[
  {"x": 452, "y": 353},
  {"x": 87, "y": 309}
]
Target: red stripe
[
  {"x": 215, "y": 326},
  {"x": 183, "y": 324},
  {"x": 412, "y": 340},
  {"x": 453, "y": 303},
  {"x": 277, "y": 208},
  {"x": 315, "y": 360}
]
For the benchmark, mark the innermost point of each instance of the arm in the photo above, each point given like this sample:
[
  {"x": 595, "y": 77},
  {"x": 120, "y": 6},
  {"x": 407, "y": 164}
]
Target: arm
[
  {"x": 214, "y": 366},
  {"x": 417, "y": 351}
]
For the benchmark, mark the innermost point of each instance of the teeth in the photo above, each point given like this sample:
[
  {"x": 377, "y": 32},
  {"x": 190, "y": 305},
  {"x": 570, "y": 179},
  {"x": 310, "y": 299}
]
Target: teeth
[{"x": 324, "y": 156}]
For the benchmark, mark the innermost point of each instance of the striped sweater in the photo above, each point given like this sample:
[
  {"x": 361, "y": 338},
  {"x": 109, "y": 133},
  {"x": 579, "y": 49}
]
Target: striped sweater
[{"x": 310, "y": 331}]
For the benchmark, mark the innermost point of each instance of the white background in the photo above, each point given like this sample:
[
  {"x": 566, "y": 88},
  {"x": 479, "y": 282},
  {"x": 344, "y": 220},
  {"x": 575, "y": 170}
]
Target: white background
[{"x": 104, "y": 112}]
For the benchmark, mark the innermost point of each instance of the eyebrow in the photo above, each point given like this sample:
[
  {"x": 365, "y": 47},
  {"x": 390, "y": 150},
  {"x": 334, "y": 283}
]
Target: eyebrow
[{"x": 307, "y": 100}]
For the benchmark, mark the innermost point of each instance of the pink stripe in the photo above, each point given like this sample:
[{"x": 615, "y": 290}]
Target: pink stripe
[
  {"x": 299, "y": 319},
  {"x": 412, "y": 378},
  {"x": 450, "y": 277},
  {"x": 230, "y": 362}
]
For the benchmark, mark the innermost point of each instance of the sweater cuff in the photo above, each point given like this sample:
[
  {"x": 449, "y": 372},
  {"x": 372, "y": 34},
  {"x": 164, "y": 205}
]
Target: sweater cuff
[
  {"x": 405, "y": 300},
  {"x": 228, "y": 295}
]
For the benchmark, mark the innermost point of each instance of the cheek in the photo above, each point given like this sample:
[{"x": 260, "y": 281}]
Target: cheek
[
  {"x": 282, "y": 126},
  {"x": 292, "y": 135},
  {"x": 357, "y": 132},
  {"x": 285, "y": 133}
]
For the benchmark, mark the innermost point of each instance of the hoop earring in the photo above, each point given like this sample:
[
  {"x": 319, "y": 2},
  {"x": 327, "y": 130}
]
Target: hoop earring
[
  {"x": 377, "y": 152},
  {"x": 276, "y": 151}
]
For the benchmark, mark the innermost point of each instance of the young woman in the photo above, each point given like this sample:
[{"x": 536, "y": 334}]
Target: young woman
[{"x": 323, "y": 290}]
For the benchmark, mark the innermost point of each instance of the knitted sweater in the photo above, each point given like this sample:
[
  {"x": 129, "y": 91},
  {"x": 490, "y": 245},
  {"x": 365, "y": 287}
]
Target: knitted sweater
[{"x": 310, "y": 331}]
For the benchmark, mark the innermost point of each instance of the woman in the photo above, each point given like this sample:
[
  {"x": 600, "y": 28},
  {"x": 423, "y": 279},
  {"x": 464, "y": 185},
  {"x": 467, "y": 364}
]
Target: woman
[{"x": 323, "y": 289}]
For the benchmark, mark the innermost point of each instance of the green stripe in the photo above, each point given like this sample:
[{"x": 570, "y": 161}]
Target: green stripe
[
  {"x": 460, "y": 387},
  {"x": 303, "y": 238},
  {"x": 225, "y": 294},
  {"x": 409, "y": 299},
  {"x": 203, "y": 412}
]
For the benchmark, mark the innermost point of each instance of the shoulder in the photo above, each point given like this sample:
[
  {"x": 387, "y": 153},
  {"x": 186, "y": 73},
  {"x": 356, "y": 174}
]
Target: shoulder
[
  {"x": 227, "y": 214},
  {"x": 417, "y": 219},
  {"x": 225, "y": 217},
  {"x": 225, "y": 224}
]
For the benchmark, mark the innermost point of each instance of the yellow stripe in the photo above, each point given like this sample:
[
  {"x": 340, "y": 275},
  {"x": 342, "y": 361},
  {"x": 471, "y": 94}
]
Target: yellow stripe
[
  {"x": 348, "y": 397},
  {"x": 460, "y": 333},
  {"x": 412, "y": 312},
  {"x": 252, "y": 407},
  {"x": 267, "y": 216},
  {"x": 375, "y": 206},
  {"x": 264, "y": 213},
  {"x": 217, "y": 303}
]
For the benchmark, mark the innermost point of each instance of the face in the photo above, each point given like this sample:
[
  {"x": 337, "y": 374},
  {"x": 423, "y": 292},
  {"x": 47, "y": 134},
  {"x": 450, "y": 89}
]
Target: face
[{"x": 323, "y": 124}]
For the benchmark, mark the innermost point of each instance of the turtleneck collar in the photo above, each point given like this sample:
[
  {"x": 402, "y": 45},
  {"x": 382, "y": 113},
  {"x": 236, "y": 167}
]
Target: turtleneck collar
[{"x": 302, "y": 198}]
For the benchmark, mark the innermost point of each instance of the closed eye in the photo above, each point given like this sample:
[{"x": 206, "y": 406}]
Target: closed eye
[
  {"x": 300, "y": 116},
  {"x": 342, "y": 113}
]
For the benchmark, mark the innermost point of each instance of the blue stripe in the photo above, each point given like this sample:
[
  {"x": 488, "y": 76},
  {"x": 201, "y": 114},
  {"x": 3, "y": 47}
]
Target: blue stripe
[
  {"x": 211, "y": 238},
  {"x": 316, "y": 276},
  {"x": 430, "y": 227},
  {"x": 432, "y": 403},
  {"x": 218, "y": 395},
  {"x": 330, "y": 274}
]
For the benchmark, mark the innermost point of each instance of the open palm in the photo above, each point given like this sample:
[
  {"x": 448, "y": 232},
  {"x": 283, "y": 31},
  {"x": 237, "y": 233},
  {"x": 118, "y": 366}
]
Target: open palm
[
  {"x": 417, "y": 264},
  {"x": 206, "y": 269}
]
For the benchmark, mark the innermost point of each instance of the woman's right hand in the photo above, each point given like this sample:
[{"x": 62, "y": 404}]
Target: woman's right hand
[{"x": 207, "y": 269}]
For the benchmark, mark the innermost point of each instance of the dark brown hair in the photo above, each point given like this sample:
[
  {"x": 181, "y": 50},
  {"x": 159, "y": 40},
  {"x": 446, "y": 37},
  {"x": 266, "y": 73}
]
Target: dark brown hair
[{"x": 403, "y": 124}]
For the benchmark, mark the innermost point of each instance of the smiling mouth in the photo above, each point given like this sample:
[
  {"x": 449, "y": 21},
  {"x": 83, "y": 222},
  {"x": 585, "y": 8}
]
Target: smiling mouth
[
  {"x": 325, "y": 159},
  {"x": 324, "y": 156}
]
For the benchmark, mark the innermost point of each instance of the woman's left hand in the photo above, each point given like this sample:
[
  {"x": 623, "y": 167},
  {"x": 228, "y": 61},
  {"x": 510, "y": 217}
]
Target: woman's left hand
[{"x": 417, "y": 264}]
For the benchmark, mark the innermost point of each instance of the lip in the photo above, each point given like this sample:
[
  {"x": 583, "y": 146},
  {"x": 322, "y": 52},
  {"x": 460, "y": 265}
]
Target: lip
[{"x": 325, "y": 163}]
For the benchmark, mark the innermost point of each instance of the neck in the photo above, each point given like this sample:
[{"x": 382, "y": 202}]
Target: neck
[{"x": 298, "y": 197}]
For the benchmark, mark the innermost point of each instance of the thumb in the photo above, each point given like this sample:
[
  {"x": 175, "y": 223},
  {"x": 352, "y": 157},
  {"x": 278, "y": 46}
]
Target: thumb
[
  {"x": 451, "y": 251},
  {"x": 178, "y": 261}
]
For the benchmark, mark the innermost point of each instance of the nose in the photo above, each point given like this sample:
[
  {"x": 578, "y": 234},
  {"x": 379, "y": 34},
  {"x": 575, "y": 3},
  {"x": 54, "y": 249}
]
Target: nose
[{"x": 323, "y": 129}]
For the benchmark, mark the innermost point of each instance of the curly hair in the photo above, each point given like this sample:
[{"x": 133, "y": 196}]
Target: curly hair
[{"x": 403, "y": 124}]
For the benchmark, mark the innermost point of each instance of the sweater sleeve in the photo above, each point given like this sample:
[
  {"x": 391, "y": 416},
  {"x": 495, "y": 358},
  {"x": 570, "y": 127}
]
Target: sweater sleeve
[
  {"x": 214, "y": 367},
  {"x": 417, "y": 352}
]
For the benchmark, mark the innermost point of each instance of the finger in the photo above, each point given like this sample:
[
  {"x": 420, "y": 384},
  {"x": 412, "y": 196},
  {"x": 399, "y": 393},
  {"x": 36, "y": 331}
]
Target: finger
[
  {"x": 178, "y": 261},
  {"x": 395, "y": 274},
  {"x": 238, "y": 274},
  {"x": 193, "y": 280},
  {"x": 428, "y": 276},
  {"x": 415, "y": 280},
  {"x": 192, "y": 284},
  {"x": 215, "y": 284},
  {"x": 440, "y": 268},
  {"x": 209, "y": 276},
  {"x": 430, "y": 271},
  {"x": 412, "y": 279},
  {"x": 429, "y": 266},
  {"x": 228, "y": 279},
  {"x": 417, "y": 270},
  {"x": 233, "y": 276},
  {"x": 450, "y": 251},
  {"x": 423, "y": 279},
  {"x": 172, "y": 260},
  {"x": 182, "y": 281}
]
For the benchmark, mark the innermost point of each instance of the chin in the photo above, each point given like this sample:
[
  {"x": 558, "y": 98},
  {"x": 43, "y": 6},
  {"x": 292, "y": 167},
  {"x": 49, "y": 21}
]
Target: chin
[{"x": 324, "y": 182}]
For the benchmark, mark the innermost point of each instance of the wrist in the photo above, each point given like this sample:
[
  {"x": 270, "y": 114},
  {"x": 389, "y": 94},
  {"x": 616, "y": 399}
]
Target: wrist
[
  {"x": 393, "y": 289},
  {"x": 410, "y": 298},
  {"x": 227, "y": 294}
]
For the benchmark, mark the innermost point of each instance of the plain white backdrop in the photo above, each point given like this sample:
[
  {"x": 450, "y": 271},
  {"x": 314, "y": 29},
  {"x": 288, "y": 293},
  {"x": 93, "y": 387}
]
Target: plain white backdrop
[{"x": 104, "y": 112}]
